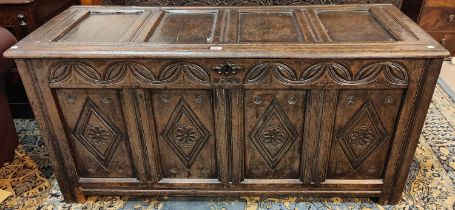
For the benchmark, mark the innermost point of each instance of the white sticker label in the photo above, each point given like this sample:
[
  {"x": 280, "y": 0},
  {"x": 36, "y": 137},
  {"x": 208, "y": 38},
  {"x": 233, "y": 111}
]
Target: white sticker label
[
  {"x": 216, "y": 48},
  {"x": 430, "y": 46},
  {"x": 14, "y": 47}
]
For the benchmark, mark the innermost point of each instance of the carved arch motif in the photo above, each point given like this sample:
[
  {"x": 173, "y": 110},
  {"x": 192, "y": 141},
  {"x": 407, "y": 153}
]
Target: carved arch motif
[
  {"x": 63, "y": 70},
  {"x": 267, "y": 73},
  {"x": 183, "y": 72},
  {"x": 140, "y": 71},
  {"x": 60, "y": 72},
  {"x": 180, "y": 72},
  {"x": 336, "y": 71},
  {"x": 393, "y": 72},
  {"x": 270, "y": 72},
  {"x": 273, "y": 72}
]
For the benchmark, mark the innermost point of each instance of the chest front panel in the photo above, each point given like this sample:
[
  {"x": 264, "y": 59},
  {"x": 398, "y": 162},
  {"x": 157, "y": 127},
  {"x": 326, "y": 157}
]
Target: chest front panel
[
  {"x": 185, "y": 133},
  {"x": 273, "y": 133},
  {"x": 363, "y": 130},
  {"x": 96, "y": 132},
  {"x": 275, "y": 121}
]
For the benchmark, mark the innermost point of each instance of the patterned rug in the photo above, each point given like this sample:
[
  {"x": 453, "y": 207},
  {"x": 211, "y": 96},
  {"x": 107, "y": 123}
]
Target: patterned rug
[{"x": 430, "y": 184}]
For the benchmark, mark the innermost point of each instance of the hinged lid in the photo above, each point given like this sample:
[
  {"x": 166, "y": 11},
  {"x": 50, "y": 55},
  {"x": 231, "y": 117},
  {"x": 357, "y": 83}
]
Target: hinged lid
[{"x": 348, "y": 31}]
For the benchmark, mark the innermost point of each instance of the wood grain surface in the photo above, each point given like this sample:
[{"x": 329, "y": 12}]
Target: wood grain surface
[{"x": 309, "y": 100}]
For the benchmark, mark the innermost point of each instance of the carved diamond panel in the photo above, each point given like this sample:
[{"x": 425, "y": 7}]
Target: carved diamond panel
[
  {"x": 97, "y": 134},
  {"x": 362, "y": 134},
  {"x": 274, "y": 134},
  {"x": 185, "y": 134}
]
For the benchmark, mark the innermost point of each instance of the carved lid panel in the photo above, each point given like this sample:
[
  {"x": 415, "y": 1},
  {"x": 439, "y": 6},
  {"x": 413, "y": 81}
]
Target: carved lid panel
[
  {"x": 346, "y": 31},
  {"x": 185, "y": 27},
  {"x": 254, "y": 26},
  {"x": 94, "y": 28},
  {"x": 365, "y": 25}
]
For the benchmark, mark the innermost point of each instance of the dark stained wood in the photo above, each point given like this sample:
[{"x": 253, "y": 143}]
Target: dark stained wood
[
  {"x": 363, "y": 129},
  {"x": 257, "y": 27},
  {"x": 105, "y": 33},
  {"x": 26, "y": 16},
  {"x": 185, "y": 133},
  {"x": 446, "y": 39},
  {"x": 405, "y": 48},
  {"x": 199, "y": 27},
  {"x": 397, "y": 3},
  {"x": 97, "y": 132},
  {"x": 366, "y": 26},
  {"x": 21, "y": 17},
  {"x": 401, "y": 155},
  {"x": 437, "y": 17},
  {"x": 412, "y": 9},
  {"x": 273, "y": 134},
  {"x": 318, "y": 134},
  {"x": 169, "y": 105},
  {"x": 62, "y": 162}
]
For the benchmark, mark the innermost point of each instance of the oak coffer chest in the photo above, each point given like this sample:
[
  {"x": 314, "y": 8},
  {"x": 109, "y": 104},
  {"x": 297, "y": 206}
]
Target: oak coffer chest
[{"x": 208, "y": 101}]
